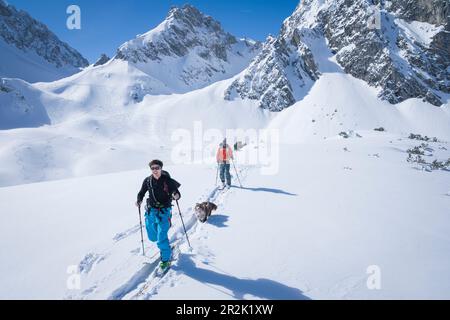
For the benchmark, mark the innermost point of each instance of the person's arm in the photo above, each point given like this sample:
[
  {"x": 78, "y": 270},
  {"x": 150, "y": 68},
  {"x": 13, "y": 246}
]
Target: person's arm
[
  {"x": 218, "y": 156},
  {"x": 173, "y": 189},
  {"x": 142, "y": 193},
  {"x": 230, "y": 153}
]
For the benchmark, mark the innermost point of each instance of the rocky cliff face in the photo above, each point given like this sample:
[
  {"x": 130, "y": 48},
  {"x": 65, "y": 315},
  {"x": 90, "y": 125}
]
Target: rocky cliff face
[
  {"x": 102, "y": 60},
  {"x": 399, "y": 47},
  {"x": 432, "y": 11},
  {"x": 19, "y": 29}
]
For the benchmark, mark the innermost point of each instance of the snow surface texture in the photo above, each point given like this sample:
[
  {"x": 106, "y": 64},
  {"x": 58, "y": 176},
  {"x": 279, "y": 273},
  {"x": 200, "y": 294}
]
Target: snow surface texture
[{"x": 396, "y": 218}]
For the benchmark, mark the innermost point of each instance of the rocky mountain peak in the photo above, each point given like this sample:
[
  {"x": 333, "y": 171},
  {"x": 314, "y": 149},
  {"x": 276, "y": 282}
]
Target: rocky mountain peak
[
  {"x": 184, "y": 29},
  {"x": 407, "y": 55},
  {"x": 102, "y": 60},
  {"x": 189, "y": 15},
  {"x": 193, "y": 48},
  {"x": 19, "y": 29}
]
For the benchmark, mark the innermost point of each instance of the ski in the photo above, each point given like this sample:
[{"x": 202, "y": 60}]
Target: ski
[
  {"x": 157, "y": 274},
  {"x": 161, "y": 272}
]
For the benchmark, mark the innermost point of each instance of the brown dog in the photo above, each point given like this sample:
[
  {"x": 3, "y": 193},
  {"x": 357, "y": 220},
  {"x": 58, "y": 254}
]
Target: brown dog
[{"x": 203, "y": 210}]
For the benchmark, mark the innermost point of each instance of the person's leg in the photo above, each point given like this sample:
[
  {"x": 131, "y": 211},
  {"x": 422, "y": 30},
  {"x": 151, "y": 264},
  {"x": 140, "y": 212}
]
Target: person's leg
[
  {"x": 164, "y": 225},
  {"x": 151, "y": 226},
  {"x": 222, "y": 173},
  {"x": 228, "y": 166}
]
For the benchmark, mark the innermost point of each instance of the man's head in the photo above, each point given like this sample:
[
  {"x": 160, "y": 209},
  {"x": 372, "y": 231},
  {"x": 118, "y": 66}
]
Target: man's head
[{"x": 156, "y": 167}]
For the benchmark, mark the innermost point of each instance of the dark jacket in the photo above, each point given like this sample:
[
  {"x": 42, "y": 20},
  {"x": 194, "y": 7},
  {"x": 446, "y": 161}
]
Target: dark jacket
[{"x": 160, "y": 191}]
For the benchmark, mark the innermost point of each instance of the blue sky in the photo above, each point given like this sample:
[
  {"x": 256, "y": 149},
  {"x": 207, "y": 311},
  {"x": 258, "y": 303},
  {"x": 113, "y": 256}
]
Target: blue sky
[{"x": 108, "y": 24}]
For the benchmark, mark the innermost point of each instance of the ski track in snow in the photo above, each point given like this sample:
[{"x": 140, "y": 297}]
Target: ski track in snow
[
  {"x": 126, "y": 233},
  {"x": 89, "y": 261},
  {"x": 144, "y": 283}
]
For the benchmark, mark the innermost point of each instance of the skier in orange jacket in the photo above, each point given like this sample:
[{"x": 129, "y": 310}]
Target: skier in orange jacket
[{"x": 224, "y": 157}]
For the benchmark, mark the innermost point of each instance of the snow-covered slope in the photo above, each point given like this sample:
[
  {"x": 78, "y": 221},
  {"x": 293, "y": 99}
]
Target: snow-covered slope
[
  {"x": 103, "y": 136},
  {"x": 30, "y": 51},
  {"x": 350, "y": 104},
  {"x": 16, "y": 109},
  {"x": 311, "y": 231}
]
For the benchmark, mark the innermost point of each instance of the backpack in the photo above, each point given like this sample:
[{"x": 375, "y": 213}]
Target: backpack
[{"x": 150, "y": 187}]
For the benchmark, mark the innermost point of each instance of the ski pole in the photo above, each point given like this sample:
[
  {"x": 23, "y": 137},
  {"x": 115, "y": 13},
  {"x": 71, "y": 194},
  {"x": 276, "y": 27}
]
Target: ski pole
[
  {"x": 184, "y": 227},
  {"x": 237, "y": 175},
  {"x": 142, "y": 235}
]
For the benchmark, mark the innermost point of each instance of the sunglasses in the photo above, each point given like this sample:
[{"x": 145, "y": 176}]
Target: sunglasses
[{"x": 155, "y": 168}]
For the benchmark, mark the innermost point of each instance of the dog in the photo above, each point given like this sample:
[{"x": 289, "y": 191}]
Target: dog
[{"x": 203, "y": 210}]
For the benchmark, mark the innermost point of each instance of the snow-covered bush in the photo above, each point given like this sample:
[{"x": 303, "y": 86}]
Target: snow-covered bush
[
  {"x": 413, "y": 136},
  {"x": 416, "y": 151},
  {"x": 415, "y": 156},
  {"x": 349, "y": 134}
]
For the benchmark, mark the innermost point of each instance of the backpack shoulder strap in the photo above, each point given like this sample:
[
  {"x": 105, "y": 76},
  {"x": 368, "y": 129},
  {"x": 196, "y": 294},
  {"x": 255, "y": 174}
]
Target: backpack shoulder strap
[{"x": 150, "y": 188}]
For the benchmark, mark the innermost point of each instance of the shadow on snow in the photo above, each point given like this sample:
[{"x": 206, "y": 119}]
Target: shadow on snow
[
  {"x": 261, "y": 288},
  {"x": 270, "y": 190},
  {"x": 218, "y": 220}
]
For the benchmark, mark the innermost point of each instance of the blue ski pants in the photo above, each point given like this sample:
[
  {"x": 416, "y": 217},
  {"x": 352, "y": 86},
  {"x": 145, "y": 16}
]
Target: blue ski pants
[
  {"x": 225, "y": 172},
  {"x": 158, "y": 223}
]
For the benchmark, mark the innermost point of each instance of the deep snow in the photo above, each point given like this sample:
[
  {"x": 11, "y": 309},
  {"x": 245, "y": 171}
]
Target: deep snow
[{"x": 308, "y": 232}]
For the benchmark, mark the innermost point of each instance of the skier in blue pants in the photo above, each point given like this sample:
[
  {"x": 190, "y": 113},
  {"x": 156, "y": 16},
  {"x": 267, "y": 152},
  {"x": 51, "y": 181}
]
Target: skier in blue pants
[
  {"x": 162, "y": 190},
  {"x": 157, "y": 224}
]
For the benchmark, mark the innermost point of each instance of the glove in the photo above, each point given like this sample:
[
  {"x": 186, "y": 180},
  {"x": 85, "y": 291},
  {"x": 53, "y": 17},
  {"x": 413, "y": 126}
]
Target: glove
[
  {"x": 176, "y": 196},
  {"x": 138, "y": 203}
]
